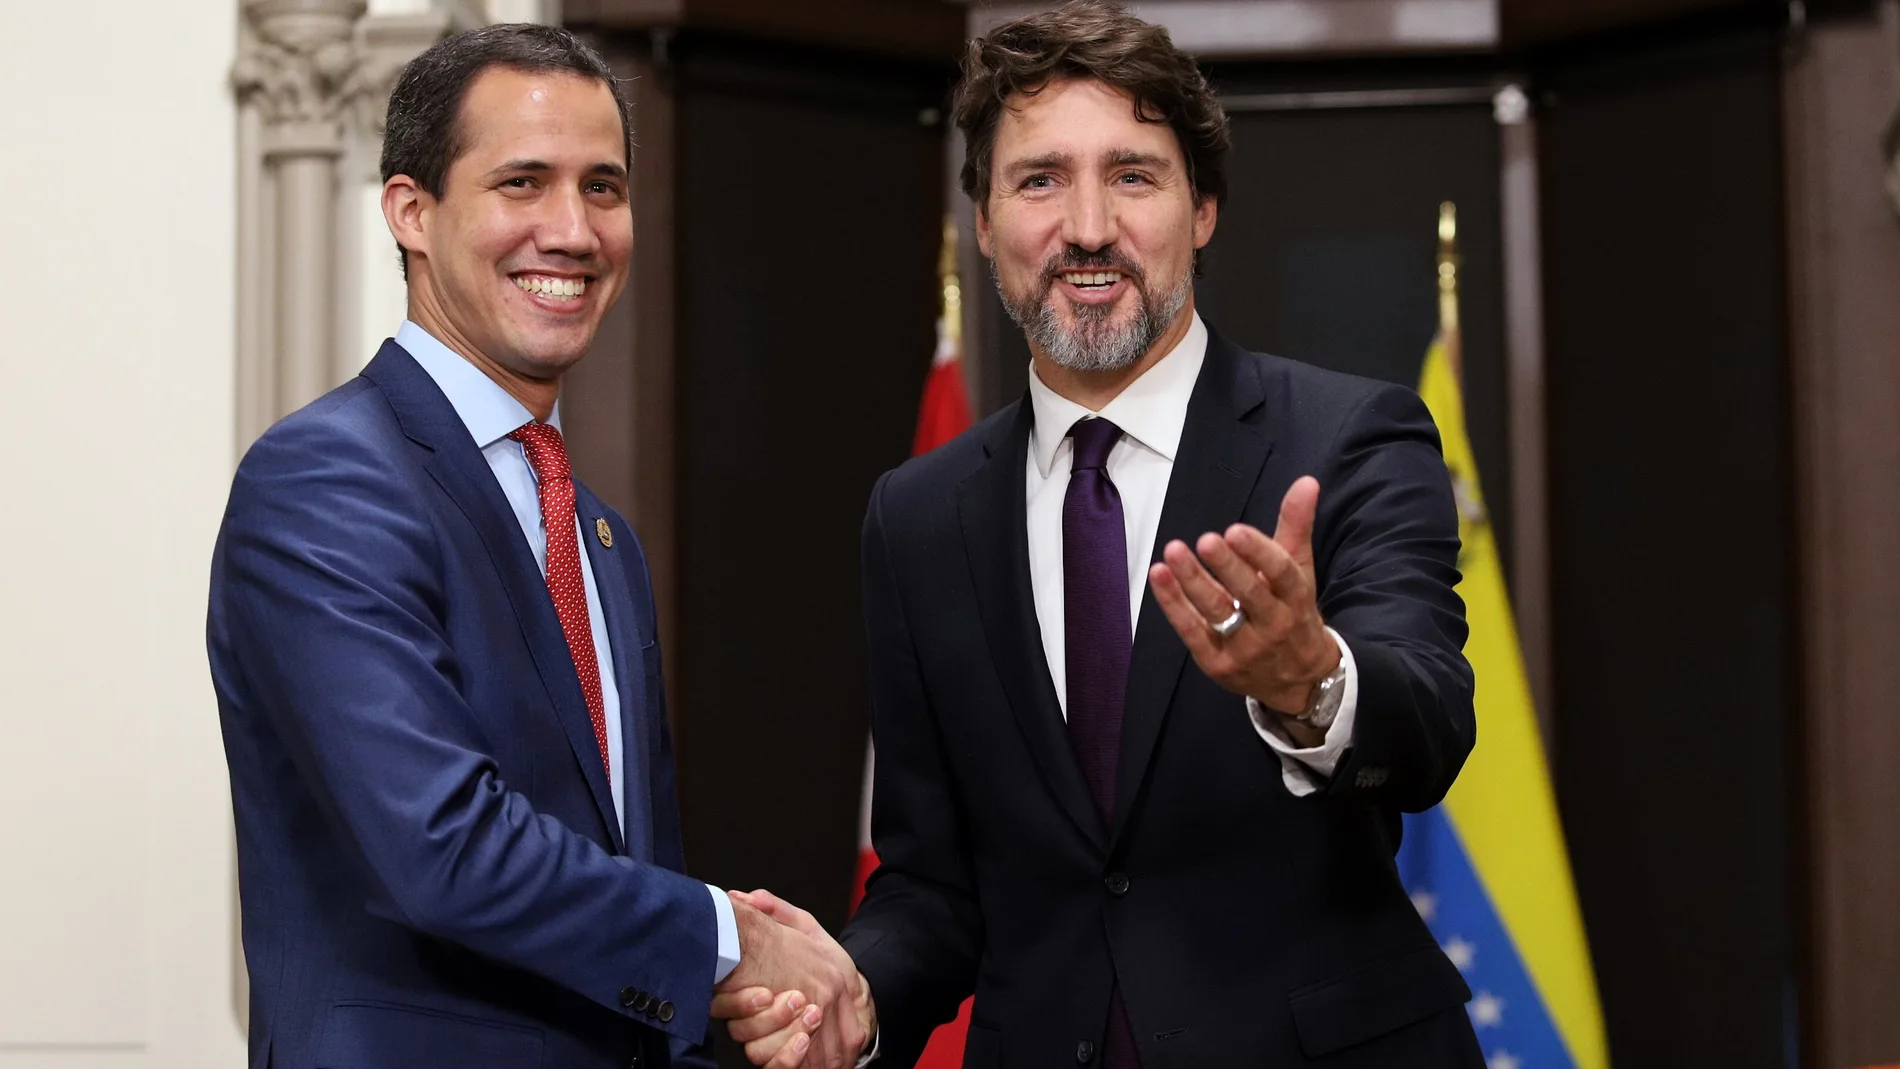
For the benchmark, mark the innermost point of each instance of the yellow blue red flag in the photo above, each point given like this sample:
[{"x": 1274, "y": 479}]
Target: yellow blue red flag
[{"x": 1487, "y": 869}]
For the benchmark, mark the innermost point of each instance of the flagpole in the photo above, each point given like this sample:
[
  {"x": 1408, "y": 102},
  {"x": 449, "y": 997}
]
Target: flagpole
[
  {"x": 950, "y": 326},
  {"x": 1448, "y": 282}
]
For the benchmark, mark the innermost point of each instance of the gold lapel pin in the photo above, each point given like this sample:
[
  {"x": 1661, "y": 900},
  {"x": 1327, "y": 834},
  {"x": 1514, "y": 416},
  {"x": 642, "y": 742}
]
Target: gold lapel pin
[{"x": 605, "y": 533}]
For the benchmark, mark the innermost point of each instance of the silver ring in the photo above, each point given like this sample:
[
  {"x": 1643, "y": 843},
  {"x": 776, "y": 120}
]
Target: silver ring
[{"x": 1227, "y": 627}]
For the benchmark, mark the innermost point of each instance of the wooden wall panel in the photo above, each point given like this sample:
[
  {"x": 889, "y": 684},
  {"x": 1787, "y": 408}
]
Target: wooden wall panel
[
  {"x": 1532, "y": 22},
  {"x": 809, "y": 212},
  {"x": 1845, "y": 253},
  {"x": 926, "y": 30},
  {"x": 1672, "y": 540}
]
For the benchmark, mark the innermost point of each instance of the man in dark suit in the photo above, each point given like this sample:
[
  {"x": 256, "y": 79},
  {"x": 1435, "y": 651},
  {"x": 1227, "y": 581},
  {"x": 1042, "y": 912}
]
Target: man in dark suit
[
  {"x": 1140, "y": 765},
  {"x": 434, "y": 651}
]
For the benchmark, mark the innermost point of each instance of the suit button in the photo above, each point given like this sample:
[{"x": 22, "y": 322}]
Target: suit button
[
  {"x": 666, "y": 1013},
  {"x": 628, "y": 995},
  {"x": 641, "y": 1003},
  {"x": 1117, "y": 884},
  {"x": 1084, "y": 1052}
]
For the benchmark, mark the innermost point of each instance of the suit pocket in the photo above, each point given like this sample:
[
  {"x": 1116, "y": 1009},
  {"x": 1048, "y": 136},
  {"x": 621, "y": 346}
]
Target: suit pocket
[
  {"x": 384, "y": 1035},
  {"x": 1375, "y": 999},
  {"x": 982, "y": 1047}
]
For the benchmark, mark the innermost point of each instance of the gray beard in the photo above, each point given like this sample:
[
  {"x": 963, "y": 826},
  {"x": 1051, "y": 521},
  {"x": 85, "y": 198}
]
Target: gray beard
[{"x": 1095, "y": 343}]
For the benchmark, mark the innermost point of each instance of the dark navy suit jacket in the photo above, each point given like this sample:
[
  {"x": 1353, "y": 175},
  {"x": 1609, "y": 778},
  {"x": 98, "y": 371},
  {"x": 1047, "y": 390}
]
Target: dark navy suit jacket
[
  {"x": 430, "y": 869},
  {"x": 1244, "y": 926}
]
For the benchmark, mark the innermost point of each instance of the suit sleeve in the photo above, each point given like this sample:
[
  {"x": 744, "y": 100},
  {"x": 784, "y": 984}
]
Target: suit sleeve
[
  {"x": 1387, "y": 559},
  {"x": 918, "y": 933},
  {"x": 328, "y": 580}
]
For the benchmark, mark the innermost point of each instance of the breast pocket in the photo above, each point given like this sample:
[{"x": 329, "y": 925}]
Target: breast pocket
[{"x": 382, "y": 1035}]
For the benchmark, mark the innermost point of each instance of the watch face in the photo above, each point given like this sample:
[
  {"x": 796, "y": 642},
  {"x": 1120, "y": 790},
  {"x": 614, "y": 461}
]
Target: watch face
[{"x": 1325, "y": 704}]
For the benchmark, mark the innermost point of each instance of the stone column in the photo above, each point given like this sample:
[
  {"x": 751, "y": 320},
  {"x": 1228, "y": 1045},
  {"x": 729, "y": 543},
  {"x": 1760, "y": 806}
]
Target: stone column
[
  {"x": 312, "y": 79},
  {"x": 296, "y": 58}
]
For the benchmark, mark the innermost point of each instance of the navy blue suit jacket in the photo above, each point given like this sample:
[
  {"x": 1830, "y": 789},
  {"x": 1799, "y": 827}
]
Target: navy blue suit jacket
[{"x": 430, "y": 867}]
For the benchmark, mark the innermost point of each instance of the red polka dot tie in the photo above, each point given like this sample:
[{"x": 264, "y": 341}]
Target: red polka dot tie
[{"x": 548, "y": 456}]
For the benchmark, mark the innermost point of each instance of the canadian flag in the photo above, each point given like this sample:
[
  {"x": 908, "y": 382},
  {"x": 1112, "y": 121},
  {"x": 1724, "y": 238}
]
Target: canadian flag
[{"x": 944, "y": 414}]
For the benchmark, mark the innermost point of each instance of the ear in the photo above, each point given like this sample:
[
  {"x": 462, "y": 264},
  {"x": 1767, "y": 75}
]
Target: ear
[
  {"x": 406, "y": 208},
  {"x": 985, "y": 241},
  {"x": 1206, "y": 214}
]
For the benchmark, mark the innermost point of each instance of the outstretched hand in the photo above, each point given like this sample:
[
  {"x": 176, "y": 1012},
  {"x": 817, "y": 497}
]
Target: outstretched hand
[
  {"x": 781, "y": 1026},
  {"x": 1281, "y": 647}
]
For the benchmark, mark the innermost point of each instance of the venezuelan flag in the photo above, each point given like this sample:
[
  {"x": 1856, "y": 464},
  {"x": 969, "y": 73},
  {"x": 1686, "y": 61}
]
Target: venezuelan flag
[{"x": 1487, "y": 869}]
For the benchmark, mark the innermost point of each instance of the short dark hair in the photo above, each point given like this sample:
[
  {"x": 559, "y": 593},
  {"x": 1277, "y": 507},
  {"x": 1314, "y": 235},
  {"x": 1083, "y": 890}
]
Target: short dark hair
[
  {"x": 1100, "y": 41},
  {"x": 422, "y": 136}
]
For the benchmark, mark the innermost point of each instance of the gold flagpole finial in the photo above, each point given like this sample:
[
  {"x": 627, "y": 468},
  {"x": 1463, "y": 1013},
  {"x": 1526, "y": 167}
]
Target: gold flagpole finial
[{"x": 1448, "y": 268}]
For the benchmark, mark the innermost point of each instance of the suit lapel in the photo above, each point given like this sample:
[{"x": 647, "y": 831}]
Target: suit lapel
[
  {"x": 990, "y": 504},
  {"x": 1215, "y": 469},
  {"x": 625, "y": 636},
  {"x": 458, "y": 467}
]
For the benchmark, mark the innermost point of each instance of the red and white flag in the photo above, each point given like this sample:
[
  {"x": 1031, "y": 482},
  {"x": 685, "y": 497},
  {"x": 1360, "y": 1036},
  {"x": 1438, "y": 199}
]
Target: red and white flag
[
  {"x": 945, "y": 411},
  {"x": 944, "y": 414}
]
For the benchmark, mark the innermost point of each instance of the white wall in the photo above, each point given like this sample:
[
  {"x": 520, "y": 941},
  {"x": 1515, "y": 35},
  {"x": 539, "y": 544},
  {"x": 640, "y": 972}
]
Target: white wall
[{"x": 116, "y": 325}]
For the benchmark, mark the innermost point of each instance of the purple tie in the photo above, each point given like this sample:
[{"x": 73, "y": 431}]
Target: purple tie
[
  {"x": 1099, "y": 639},
  {"x": 1095, "y": 610}
]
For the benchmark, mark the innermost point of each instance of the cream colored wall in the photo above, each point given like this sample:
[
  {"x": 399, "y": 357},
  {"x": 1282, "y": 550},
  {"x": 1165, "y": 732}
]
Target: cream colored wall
[{"x": 116, "y": 312}]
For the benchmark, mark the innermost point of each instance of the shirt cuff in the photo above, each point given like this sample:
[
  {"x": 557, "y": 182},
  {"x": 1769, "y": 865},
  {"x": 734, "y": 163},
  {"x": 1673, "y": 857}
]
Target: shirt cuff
[
  {"x": 728, "y": 936},
  {"x": 1305, "y": 770},
  {"x": 871, "y": 1055}
]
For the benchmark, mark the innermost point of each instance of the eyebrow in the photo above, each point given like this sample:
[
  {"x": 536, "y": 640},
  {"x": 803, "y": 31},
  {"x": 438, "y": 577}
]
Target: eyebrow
[
  {"x": 1119, "y": 157},
  {"x": 1046, "y": 161},
  {"x": 603, "y": 169},
  {"x": 1125, "y": 157}
]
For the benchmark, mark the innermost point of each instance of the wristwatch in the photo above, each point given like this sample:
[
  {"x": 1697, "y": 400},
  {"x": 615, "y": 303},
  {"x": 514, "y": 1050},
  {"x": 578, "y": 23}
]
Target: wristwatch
[{"x": 1322, "y": 703}]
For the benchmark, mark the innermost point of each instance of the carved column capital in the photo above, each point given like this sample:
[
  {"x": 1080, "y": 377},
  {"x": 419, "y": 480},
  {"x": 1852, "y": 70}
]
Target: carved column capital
[
  {"x": 384, "y": 46},
  {"x": 295, "y": 66}
]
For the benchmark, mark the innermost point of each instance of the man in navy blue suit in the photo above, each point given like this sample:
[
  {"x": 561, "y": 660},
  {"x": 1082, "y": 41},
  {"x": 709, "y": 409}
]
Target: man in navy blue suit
[{"x": 435, "y": 655}]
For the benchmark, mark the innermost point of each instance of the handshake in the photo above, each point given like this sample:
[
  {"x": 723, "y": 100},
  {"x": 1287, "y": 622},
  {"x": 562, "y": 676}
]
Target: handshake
[{"x": 796, "y": 993}]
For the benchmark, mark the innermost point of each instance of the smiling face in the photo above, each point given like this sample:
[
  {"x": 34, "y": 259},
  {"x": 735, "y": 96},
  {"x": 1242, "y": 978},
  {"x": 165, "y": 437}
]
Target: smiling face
[
  {"x": 1091, "y": 227},
  {"x": 526, "y": 249}
]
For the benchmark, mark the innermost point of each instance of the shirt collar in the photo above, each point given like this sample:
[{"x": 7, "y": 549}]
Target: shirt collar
[
  {"x": 489, "y": 412},
  {"x": 1152, "y": 410}
]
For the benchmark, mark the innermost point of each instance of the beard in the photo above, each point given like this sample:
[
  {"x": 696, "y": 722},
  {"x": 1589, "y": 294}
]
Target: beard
[{"x": 1093, "y": 341}]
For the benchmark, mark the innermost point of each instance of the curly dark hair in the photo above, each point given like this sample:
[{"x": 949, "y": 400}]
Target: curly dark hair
[{"x": 1099, "y": 40}]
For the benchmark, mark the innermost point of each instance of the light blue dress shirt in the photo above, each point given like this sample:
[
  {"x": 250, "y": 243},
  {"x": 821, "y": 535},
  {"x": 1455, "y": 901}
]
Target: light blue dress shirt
[{"x": 491, "y": 414}]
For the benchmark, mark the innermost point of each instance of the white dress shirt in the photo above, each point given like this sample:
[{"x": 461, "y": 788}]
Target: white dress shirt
[
  {"x": 490, "y": 413},
  {"x": 1151, "y": 413}
]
